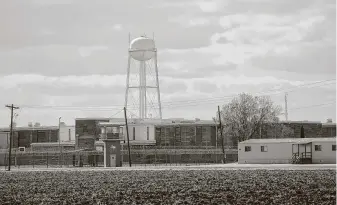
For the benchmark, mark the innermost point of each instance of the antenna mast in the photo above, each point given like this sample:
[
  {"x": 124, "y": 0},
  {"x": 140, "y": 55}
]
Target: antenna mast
[{"x": 286, "y": 106}]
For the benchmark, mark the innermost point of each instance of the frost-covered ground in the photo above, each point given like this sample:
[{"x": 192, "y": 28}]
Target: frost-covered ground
[{"x": 233, "y": 166}]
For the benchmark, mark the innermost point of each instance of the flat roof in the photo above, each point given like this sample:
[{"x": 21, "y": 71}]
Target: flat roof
[
  {"x": 98, "y": 118},
  {"x": 302, "y": 122},
  {"x": 54, "y": 144},
  {"x": 132, "y": 142},
  {"x": 289, "y": 140},
  {"x": 187, "y": 123},
  {"x": 111, "y": 123},
  {"x": 30, "y": 128},
  {"x": 329, "y": 124}
]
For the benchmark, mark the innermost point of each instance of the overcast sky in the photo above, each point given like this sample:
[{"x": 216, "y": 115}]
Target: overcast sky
[{"x": 74, "y": 53}]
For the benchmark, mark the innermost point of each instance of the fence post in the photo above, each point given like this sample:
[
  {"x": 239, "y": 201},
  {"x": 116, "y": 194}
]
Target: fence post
[
  {"x": 47, "y": 160},
  {"x": 145, "y": 156},
  {"x": 155, "y": 155},
  {"x": 175, "y": 156},
  {"x": 33, "y": 159},
  {"x": 6, "y": 161},
  {"x": 165, "y": 156}
]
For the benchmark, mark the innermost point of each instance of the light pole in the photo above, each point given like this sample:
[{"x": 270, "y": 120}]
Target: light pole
[{"x": 59, "y": 138}]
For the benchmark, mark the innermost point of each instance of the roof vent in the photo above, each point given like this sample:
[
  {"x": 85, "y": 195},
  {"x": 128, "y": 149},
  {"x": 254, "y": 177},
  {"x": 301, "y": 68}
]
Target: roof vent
[{"x": 329, "y": 120}]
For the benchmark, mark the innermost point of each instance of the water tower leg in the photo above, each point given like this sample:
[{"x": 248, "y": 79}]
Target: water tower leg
[
  {"x": 157, "y": 85},
  {"x": 127, "y": 83}
]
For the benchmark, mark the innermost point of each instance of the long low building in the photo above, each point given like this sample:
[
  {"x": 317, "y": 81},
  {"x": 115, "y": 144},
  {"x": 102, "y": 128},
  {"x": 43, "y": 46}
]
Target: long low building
[
  {"x": 163, "y": 133},
  {"x": 288, "y": 151},
  {"x": 25, "y": 136}
]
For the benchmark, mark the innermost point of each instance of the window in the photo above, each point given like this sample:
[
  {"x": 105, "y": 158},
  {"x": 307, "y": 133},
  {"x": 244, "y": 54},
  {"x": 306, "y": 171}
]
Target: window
[
  {"x": 113, "y": 130},
  {"x": 134, "y": 133},
  {"x": 248, "y": 148},
  {"x": 147, "y": 133},
  {"x": 264, "y": 148},
  {"x": 333, "y": 147},
  {"x": 318, "y": 147}
]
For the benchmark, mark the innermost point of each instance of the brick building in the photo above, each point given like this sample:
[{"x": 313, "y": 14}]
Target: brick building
[
  {"x": 24, "y": 136},
  {"x": 329, "y": 129},
  {"x": 87, "y": 131},
  {"x": 312, "y": 129},
  {"x": 202, "y": 133}
]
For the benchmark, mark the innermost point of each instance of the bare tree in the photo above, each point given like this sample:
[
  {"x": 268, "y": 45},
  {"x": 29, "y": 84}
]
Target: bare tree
[{"x": 245, "y": 115}]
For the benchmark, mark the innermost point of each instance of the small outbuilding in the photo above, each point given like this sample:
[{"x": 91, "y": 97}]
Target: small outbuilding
[{"x": 288, "y": 151}]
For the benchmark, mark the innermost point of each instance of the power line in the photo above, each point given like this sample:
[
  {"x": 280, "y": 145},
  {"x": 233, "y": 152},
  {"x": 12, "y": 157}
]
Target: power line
[
  {"x": 184, "y": 102},
  {"x": 132, "y": 113},
  {"x": 311, "y": 106},
  {"x": 262, "y": 93},
  {"x": 116, "y": 113}
]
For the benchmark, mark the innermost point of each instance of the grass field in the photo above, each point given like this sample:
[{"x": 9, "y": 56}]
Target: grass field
[{"x": 169, "y": 187}]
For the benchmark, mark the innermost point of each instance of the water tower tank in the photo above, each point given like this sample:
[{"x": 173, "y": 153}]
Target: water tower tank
[{"x": 142, "y": 48}]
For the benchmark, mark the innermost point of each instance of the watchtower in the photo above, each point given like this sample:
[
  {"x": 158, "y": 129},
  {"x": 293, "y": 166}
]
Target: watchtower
[{"x": 111, "y": 135}]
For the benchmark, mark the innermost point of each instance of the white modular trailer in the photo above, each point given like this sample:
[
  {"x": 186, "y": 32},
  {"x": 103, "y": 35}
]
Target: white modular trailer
[{"x": 288, "y": 151}]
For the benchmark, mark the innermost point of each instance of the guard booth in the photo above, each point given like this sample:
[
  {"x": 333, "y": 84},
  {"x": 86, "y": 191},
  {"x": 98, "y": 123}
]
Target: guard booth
[{"x": 112, "y": 135}]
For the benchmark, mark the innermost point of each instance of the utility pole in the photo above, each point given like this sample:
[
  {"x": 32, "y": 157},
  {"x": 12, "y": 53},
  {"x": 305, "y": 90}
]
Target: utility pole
[
  {"x": 127, "y": 135},
  {"x": 12, "y": 107},
  {"x": 221, "y": 134},
  {"x": 286, "y": 106}
]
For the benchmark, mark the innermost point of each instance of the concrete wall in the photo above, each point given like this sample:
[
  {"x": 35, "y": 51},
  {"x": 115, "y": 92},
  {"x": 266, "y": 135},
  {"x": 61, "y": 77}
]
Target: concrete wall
[
  {"x": 326, "y": 156},
  {"x": 3, "y": 140},
  {"x": 67, "y": 133},
  {"x": 140, "y": 132},
  {"x": 278, "y": 153}
]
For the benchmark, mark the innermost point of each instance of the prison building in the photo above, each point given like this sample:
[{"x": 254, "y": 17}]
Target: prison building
[
  {"x": 174, "y": 133},
  {"x": 328, "y": 129},
  {"x": 288, "y": 151},
  {"x": 24, "y": 136},
  {"x": 186, "y": 134},
  {"x": 312, "y": 129},
  {"x": 87, "y": 132}
]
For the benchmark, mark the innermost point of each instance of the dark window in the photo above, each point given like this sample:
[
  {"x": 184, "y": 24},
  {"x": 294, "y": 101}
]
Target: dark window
[
  {"x": 147, "y": 133},
  {"x": 318, "y": 147},
  {"x": 248, "y": 148},
  {"x": 333, "y": 147},
  {"x": 134, "y": 133},
  {"x": 264, "y": 148},
  {"x": 85, "y": 128}
]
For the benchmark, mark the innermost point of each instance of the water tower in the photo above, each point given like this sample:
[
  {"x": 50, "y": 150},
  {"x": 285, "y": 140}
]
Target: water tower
[{"x": 142, "y": 96}]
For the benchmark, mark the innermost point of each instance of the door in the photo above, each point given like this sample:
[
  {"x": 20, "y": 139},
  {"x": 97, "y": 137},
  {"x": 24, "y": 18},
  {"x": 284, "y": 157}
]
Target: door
[{"x": 112, "y": 160}]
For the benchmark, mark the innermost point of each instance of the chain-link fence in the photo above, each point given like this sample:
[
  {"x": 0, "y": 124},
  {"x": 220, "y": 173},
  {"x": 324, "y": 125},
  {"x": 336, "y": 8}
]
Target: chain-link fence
[{"x": 139, "y": 157}]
